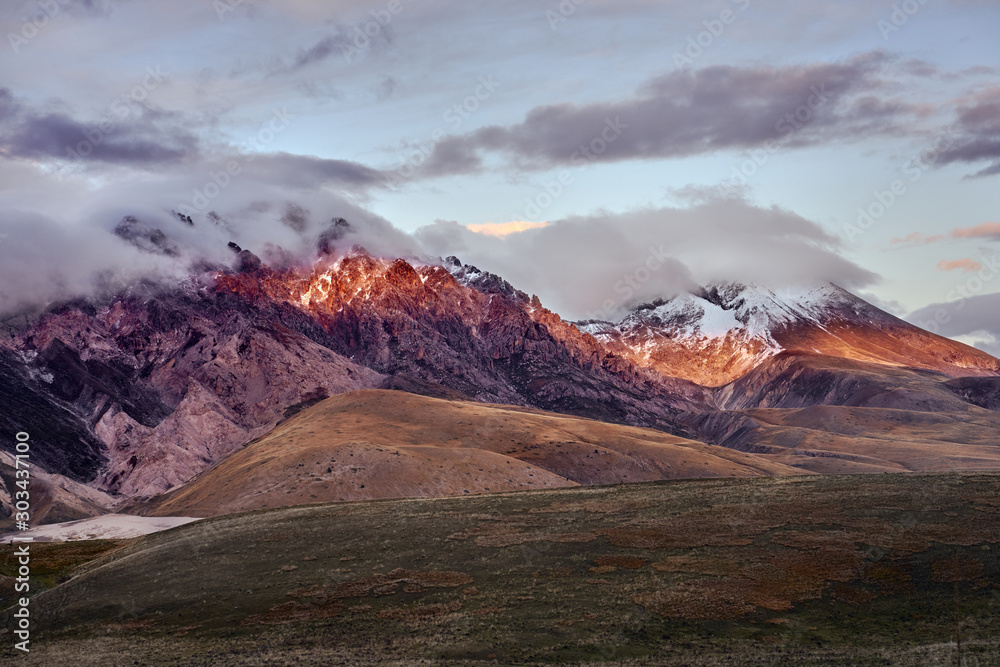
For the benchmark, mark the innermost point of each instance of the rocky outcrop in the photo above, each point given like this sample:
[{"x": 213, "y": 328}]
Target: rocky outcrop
[
  {"x": 137, "y": 395},
  {"x": 796, "y": 380},
  {"x": 28, "y": 404},
  {"x": 984, "y": 392},
  {"x": 146, "y": 238}
]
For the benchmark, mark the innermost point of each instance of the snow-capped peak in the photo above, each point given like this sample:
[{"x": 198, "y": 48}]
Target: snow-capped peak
[
  {"x": 760, "y": 309},
  {"x": 725, "y": 330},
  {"x": 686, "y": 315},
  {"x": 747, "y": 309},
  {"x": 738, "y": 323}
]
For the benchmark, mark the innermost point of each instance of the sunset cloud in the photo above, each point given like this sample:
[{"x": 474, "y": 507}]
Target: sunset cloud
[
  {"x": 502, "y": 229},
  {"x": 916, "y": 238},
  {"x": 979, "y": 123},
  {"x": 966, "y": 264},
  {"x": 987, "y": 230}
]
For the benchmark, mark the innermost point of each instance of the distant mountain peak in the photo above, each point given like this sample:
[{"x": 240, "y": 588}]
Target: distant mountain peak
[
  {"x": 749, "y": 310},
  {"x": 782, "y": 304},
  {"x": 728, "y": 328}
]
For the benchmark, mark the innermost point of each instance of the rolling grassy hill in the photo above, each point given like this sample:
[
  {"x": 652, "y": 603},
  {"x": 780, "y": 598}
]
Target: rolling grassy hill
[
  {"x": 861, "y": 570},
  {"x": 390, "y": 444}
]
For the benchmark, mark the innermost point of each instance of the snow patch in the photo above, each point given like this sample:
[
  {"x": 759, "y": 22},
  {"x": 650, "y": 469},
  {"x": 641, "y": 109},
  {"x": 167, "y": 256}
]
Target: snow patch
[{"x": 107, "y": 527}]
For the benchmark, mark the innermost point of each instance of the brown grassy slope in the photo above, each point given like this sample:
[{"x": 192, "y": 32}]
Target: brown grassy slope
[
  {"x": 893, "y": 343},
  {"x": 842, "y": 439},
  {"x": 387, "y": 444},
  {"x": 50, "y": 564},
  {"x": 832, "y": 415}
]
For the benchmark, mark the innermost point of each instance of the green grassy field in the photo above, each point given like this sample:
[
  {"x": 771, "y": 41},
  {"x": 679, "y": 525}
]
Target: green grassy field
[{"x": 853, "y": 570}]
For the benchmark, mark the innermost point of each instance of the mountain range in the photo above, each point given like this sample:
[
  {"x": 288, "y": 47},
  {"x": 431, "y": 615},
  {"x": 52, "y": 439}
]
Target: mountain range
[{"x": 145, "y": 392}]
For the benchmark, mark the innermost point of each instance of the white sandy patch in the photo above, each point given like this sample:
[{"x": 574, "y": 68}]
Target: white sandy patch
[{"x": 107, "y": 527}]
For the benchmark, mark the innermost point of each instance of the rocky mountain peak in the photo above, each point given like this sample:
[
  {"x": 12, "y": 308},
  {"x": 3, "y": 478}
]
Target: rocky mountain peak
[
  {"x": 145, "y": 237},
  {"x": 482, "y": 281},
  {"x": 337, "y": 230}
]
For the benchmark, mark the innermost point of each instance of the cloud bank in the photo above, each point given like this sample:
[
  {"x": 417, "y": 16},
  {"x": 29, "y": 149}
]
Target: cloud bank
[
  {"x": 973, "y": 318},
  {"x": 689, "y": 112},
  {"x": 600, "y": 266},
  {"x": 595, "y": 266}
]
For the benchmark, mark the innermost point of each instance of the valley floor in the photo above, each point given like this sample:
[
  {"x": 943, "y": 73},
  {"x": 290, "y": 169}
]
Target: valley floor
[{"x": 849, "y": 570}]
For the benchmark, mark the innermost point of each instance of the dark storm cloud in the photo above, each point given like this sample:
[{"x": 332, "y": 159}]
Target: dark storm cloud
[
  {"x": 128, "y": 134},
  {"x": 966, "y": 316},
  {"x": 987, "y": 230},
  {"x": 978, "y": 130},
  {"x": 452, "y": 155},
  {"x": 309, "y": 172},
  {"x": 690, "y": 112},
  {"x": 59, "y": 136},
  {"x": 977, "y": 316},
  {"x": 155, "y": 138}
]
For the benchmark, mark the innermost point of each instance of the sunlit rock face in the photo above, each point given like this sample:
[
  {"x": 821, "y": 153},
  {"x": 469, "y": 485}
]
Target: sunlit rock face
[{"x": 467, "y": 330}]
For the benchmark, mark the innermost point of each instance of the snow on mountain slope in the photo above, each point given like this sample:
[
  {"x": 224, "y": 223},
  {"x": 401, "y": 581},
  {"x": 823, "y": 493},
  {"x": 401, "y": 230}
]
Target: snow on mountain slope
[
  {"x": 730, "y": 328},
  {"x": 107, "y": 527}
]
